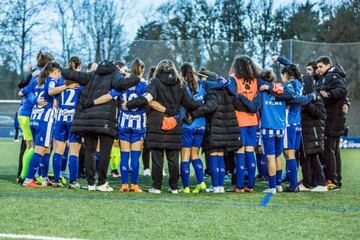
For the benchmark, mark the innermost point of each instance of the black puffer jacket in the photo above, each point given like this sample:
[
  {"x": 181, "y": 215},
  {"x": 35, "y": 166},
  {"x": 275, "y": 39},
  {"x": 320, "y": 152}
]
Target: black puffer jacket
[
  {"x": 222, "y": 130},
  {"x": 335, "y": 85},
  {"x": 313, "y": 118},
  {"x": 100, "y": 119},
  {"x": 166, "y": 90}
]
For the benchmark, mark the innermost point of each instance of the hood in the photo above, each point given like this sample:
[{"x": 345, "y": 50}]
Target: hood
[
  {"x": 105, "y": 68},
  {"x": 168, "y": 77},
  {"x": 337, "y": 69}
]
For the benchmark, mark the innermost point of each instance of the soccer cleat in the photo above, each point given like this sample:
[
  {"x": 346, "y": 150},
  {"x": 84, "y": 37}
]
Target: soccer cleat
[
  {"x": 32, "y": 184},
  {"x": 239, "y": 190},
  {"x": 104, "y": 188},
  {"x": 58, "y": 184},
  {"x": 210, "y": 189},
  {"x": 303, "y": 188},
  {"x": 65, "y": 175},
  {"x": 39, "y": 180},
  {"x": 154, "y": 191},
  {"x": 173, "y": 191},
  {"x": 124, "y": 188},
  {"x": 279, "y": 188},
  {"x": 135, "y": 188},
  {"x": 63, "y": 180},
  {"x": 186, "y": 190},
  {"x": 330, "y": 185},
  {"x": 115, "y": 173},
  {"x": 216, "y": 190},
  {"x": 270, "y": 190},
  {"x": 147, "y": 172},
  {"x": 292, "y": 190},
  {"x": 91, "y": 188},
  {"x": 319, "y": 189},
  {"x": 74, "y": 185},
  {"x": 200, "y": 188},
  {"x": 221, "y": 189},
  {"x": 249, "y": 190},
  {"x": 20, "y": 180}
]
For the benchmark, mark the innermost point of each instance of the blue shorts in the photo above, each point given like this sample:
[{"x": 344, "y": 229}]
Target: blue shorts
[
  {"x": 62, "y": 133},
  {"x": 248, "y": 135},
  {"x": 273, "y": 141},
  {"x": 192, "y": 137},
  {"x": 41, "y": 132},
  {"x": 131, "y": 135},
  {"x": 292, "y": 138}
]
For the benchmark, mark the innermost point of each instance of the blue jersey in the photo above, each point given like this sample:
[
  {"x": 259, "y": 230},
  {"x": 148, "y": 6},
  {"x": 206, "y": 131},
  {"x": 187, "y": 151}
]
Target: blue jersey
[
  {"x": 293, "y": 109},
  {"x": 199, "y": 96},
  {"x": 131, "y": 118},
  {"x": 28, "y": 101},
  {"x": 273, "y": 112},
  {"x": 67, "y": 102}
]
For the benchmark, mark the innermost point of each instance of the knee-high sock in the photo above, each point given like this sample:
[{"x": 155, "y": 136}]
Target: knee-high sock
[
  {"x": 26, "y": 162},
  {"x": 124, "y": 167},
  {"x": 135, "y": 166},
  {"x": 97, "y": 156},
  {"x": 73, "y": 168},
  {"x": 64, "y": 159},
  {"x": 263, "y": 165},
  {"x": 292, "y": 173},
  {"x": 240, "y": 170},
  {"x": 214, "y": 170},
  {"x": 45, "y": 165},
  {"x": 115, "y": 158},
  {"x": 57, "y": 160},
  {"x": 34, "y": 165},
  {"x": 251, "y": 168},
  {"x": 221, "y": 163},
  {"x": 272, "y": 181},
  {"x": 199, "y": 170},
  {"x": 278, "y": 177},
  {"x": 185, "y": 173}
]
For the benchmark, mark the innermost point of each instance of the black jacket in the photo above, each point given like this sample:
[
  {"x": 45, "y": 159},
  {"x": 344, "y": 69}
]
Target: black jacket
[
  {"x": 100, "y": 119},
  {"x": 222, "y": 130},
  {"x": 334, "y": 84},
  {"x": 313, "y": 118},
  {"x": 166, "y": 90}
]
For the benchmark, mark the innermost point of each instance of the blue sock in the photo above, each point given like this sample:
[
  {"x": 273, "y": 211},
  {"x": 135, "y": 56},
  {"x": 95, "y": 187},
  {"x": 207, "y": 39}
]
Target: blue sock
[
  {"x": 272, "y": 181},
  {"x": 292, "y": 173},
  {"x": 135, "y": 165},
  {"x": 199, "y": 170},
  {"x": 185, "y": 173},
  {"x": 45, "y": 165},
  {"x": 64, "y": 159},
  {"x": 214, "y": 170},
  {"x": 240, "y": 170},
  {"x": 34, "y": 165},
  {"x": 57, "y": 158},
  {"x": 124, "y": 166},
  {"x": 73, "y": 168},
  {"x": 221, "y": 163},
  {"x": 97, "y": 157},
  {"x": 263, "y": 166},
  {"x": 251, "y": 167},
  {"x": 278, "y": 177}
]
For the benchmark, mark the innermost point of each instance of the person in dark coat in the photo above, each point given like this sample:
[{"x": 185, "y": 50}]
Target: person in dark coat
[
  {"x": 167, "y": 89},
  {"x": 333, "y": 92},
  {"x": 313, "y": 118},
  {"x": 97, "y": 122}
]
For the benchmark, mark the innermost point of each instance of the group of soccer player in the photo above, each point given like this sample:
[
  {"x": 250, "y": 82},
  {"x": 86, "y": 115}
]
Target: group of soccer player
[{"x": 269, "y": 125}]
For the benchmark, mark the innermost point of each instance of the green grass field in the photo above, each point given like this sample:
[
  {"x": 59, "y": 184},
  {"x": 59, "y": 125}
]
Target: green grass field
[{"x": 80, "y": 214}]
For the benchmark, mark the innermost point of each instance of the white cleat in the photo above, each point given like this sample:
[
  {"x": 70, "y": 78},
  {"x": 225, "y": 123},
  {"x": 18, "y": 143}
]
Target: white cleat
[
  {"x": 172, "y": 191},
  {"x": 279, "y": 188},
  {"x": 216, "y": 190},
  {"x": 319, "y": 189},
  {"x": 302, "y": 188},
  {"x": 221, "y": 189},
  {"x": 91, "y": 187},
  {"x": 154, "y": 191},
  {"x": 104, "y": 188},
  {"x": 210, "y": 189},
  {"x": 147, "y": 172},
  {"x": 270, "y": 190}
]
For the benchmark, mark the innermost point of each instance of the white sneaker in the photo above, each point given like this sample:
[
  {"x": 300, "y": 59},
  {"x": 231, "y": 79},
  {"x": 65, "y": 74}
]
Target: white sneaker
[
  {"x": 104, "y": 188},
  {"x": 217, "y": 190},
  {"x": 154, "y": 191},
  {"x": 221, "y": 189},
  {"x": 210, "y": 189},
  {"x": 91, "y": 187},
  {"x": 279, "y": 188},
  {"x": 147, "y": 172},
  {"x": 173, "y": 191},
  {"x": 164, "y": 173},
  {"x": 319, "y": 189},
  {"x": 302, "y": 188},
  {"x": 270, "y": 190}
]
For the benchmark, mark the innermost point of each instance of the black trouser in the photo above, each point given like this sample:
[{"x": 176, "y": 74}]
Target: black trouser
[
  {"x": 157, "y": 156},
  {"x": 229, "y": 159},
  {"x": 311, "y": 166},
  {"x": 16, "y": 133},
  {"x": 332, "y": 160},
  {"x": 81, "y": 169},
  {"x": 146, "y": 157},
  {"x": 106, "y": 143},
  {"x": 21, "y": 154}
]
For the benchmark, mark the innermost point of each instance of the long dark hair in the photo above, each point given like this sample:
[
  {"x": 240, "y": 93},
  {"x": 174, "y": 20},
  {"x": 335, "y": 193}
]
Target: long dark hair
[
  {"x": 43, "y": 58},
  {"x": 188, "y": 73},
  {"x": 47, "y": 69},
  {"x": 151, "y": 73},
  {"x": 292, "y": 71},
  {"x": 244, "y": 67},
  {"x": 268, "y": 75},
  {"x": 137, "y": 67},
  {"x": 74, "y": 62}
]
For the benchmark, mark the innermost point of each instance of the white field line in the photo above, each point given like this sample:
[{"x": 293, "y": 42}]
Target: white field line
[{"x": 33, "y": 237}]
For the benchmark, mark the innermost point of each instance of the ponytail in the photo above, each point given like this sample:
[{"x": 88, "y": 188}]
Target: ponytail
[
  {"x": 189, "y": 75},
  {"x": 47, "y": 69},
  {"x": 293, "y": 71},
  {"x": 137, "y": 67},
  {"x": 74, "y": 63},
  {"x": 43, "y": 58}
]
